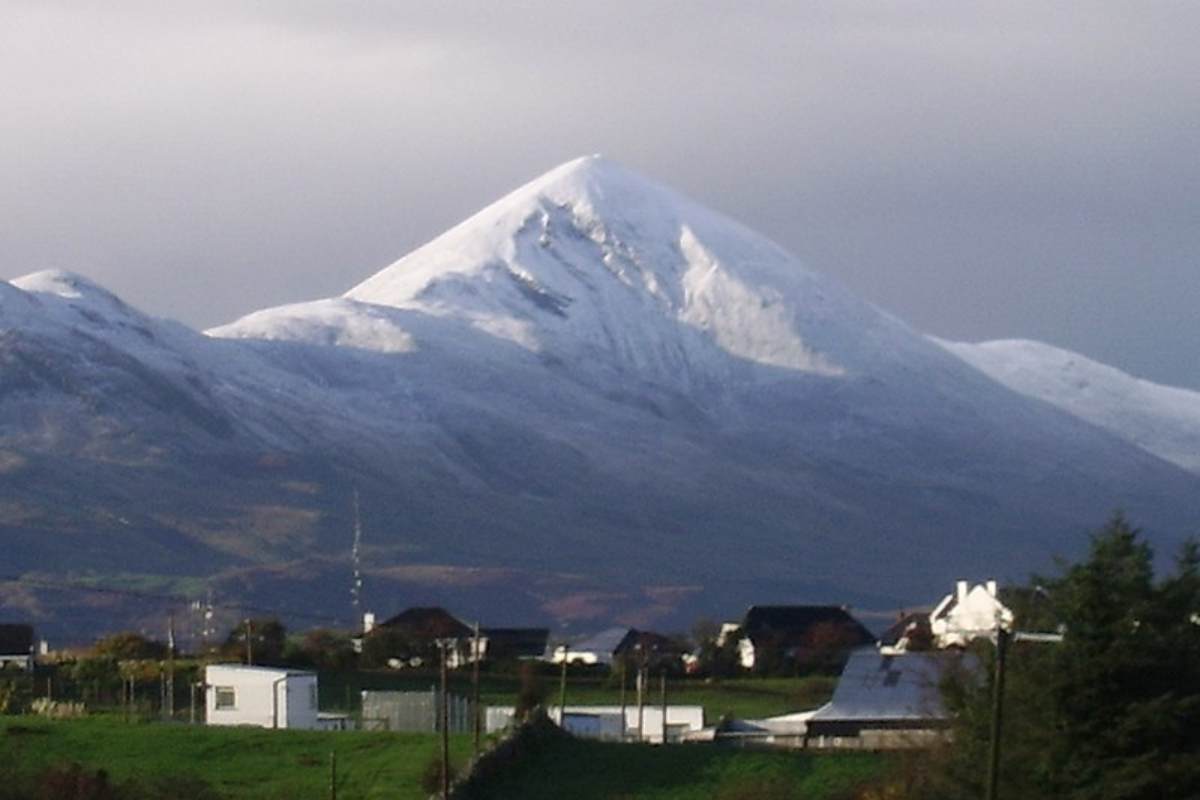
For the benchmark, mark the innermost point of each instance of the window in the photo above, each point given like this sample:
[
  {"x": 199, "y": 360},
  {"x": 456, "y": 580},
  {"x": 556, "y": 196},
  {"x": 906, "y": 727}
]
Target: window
[{"x": 226, "y": 697}]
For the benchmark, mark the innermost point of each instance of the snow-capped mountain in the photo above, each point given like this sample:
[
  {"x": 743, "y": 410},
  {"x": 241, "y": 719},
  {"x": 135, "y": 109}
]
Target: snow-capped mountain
[
  {"x": 595, "y": 264},
  {"x": 1161, "y": 419},
  {"x": 593, "y": 399}
]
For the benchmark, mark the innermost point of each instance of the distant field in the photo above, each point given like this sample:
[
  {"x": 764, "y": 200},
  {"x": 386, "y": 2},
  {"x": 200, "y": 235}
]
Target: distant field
[
  {"x": 582, "y": 770},
  {"x": 741, "y": 697},
  {"x": 241, "y": 763}
]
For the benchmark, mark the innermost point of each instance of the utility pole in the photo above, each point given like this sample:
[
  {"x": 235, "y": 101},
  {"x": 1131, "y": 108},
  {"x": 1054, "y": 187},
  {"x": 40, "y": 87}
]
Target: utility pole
[
  {"x": 624, "y": 668},
  {"x": 332, "y": 775},
  {"x": 444, "y": 716},
  {"x": 662, "y": 697},
  {"x": 993, "y": 774},
  {"x": 562, "y": 688},
  {"x": 641, "y": 696},
  {"x": 249, "y": 631},
  {"x": 475, "y": 719},
  {"x": 170, "y": 705},
  {"x": 1003, "y": 638}
]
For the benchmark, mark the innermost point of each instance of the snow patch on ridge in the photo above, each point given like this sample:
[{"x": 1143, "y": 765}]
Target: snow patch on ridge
[
  {"x": 755, "y": 325},
  {"x": 1160, "y": 419},
  {"x": 336, "y": 322}
]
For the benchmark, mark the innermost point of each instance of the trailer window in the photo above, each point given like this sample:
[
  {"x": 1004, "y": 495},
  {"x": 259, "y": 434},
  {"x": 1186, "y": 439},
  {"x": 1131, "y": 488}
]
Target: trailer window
[{"x": 226, "y": 697}]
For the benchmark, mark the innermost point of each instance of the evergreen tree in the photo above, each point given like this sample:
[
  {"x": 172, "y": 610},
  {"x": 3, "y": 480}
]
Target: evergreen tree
[{"x": 1111, "y": 713}]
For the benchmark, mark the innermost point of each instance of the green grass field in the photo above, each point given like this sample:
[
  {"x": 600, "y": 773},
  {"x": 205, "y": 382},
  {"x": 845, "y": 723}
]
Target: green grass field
[
  {"x": 240, "y": 763},
  {"x": 252, "y": 764},
  {"x": 746, "y": 698},
  {"x": 583, "y": 770}
]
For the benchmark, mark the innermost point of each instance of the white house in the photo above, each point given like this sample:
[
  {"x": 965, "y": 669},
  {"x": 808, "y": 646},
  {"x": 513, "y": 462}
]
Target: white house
[
  {"x": 265, "y": 697},
  {"x": 967, "y": 614}
]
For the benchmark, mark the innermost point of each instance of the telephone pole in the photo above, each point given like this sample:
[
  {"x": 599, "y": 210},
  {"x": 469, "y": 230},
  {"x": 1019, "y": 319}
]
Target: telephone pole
[
  {"x": 444, "y": 716},
  {"x": 1003, "y": 639},
  {"x": 662, "y": 698},
  {"x": 170, "y": 698},
  {"x": 624, "y": 669},
  {"x": 562, "y": 688},
  {"x": 475, "y": 719},
  {"x": 641, "y": 697}
]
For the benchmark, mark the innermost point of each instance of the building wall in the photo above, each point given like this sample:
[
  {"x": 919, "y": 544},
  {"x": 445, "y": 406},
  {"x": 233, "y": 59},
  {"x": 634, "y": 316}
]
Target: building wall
[
  {"x": 267, "y": 698},
  {"x": 680, "y": 720}
]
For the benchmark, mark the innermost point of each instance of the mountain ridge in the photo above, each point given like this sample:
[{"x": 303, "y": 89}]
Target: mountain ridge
[{"x": 586, "y": 375}]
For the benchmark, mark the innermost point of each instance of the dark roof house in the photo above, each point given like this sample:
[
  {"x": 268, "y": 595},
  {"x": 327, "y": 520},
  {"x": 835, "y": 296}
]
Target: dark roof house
[
  {"x": 429, "y": 623},
  {"x": 800, "y": 632},
  {"x": 505, "y": 644},
  {"x": 16, "y": 645},
  {"x": 653, "y": 646}
]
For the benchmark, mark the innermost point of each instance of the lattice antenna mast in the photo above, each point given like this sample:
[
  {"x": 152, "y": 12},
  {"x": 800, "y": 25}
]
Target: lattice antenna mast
[{"x": 355, "y": 554}]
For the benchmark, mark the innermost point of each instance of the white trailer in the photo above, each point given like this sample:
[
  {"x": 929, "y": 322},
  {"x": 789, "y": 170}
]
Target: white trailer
[{"x": 264, "y": 697}]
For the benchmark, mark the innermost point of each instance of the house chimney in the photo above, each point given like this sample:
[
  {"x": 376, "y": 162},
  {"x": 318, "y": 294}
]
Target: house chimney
[
  {"x": 992, "y": 589},
  {"x": 961, "y": 592},
  {"x": 368, "y": 621}
]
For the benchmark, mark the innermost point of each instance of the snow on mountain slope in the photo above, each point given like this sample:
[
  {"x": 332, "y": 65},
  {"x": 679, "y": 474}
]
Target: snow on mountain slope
[
  {"x": 597, "y": 266},
  {"x": 589, "y": 370},
  {"x": 79, "y": 360},
  {"x": 1160, "y": 419}
]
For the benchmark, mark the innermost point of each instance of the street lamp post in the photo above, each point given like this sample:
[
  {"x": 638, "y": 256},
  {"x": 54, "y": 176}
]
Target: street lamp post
[{"x": 1003, "y": 639}]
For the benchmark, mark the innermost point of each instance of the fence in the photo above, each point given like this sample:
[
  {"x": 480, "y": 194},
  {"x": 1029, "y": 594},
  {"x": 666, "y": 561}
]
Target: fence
[{"x": 415, "y": 712}]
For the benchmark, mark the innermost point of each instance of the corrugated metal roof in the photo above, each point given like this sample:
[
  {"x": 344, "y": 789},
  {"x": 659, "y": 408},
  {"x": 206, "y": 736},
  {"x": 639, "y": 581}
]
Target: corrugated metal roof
[
  {"x": 880, "y": 687},
  {"x": 605, "y": 641}
]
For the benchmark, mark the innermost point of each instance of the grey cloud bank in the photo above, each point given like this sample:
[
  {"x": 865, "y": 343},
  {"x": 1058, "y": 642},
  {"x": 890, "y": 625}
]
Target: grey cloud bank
[{"x": 981, "y": 170}]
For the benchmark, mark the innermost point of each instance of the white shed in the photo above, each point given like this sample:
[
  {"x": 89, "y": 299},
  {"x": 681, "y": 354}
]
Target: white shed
[
  {"x": 604, "y": 722},
  {"x": 266, "y": 697}
]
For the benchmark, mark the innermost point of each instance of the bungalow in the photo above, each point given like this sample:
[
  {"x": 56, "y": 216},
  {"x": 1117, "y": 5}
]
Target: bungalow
[
  {"x": 613, "y": 644},
  {"x": 411, "y": 637},
  {"x": 885, "y": 702},
  {"x": 967, "y": 614},
  {"x": 651, "y": 648},
  {"x": 514, "y": 644},
  {"x": 16, "y": 646},
  {"x": 265, "y": 697},
  {"x": 816, "y": 635}
]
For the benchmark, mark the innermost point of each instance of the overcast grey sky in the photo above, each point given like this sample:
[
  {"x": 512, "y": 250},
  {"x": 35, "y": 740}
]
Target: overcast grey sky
[{"x": 1016, "y": 169}]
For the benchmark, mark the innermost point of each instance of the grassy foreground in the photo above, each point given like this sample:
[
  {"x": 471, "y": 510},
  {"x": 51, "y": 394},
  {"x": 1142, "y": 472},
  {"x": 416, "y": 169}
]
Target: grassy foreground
[
  {"x": 238, "y": 762},
  {"x": 586, "y": 770}
]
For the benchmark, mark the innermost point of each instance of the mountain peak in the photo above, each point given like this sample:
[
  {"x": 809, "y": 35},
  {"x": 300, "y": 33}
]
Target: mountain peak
[
  {"x": 596, "y": 265},
  {"x": 65, "y": 284},
  {"x": 594, "y": 260}
]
